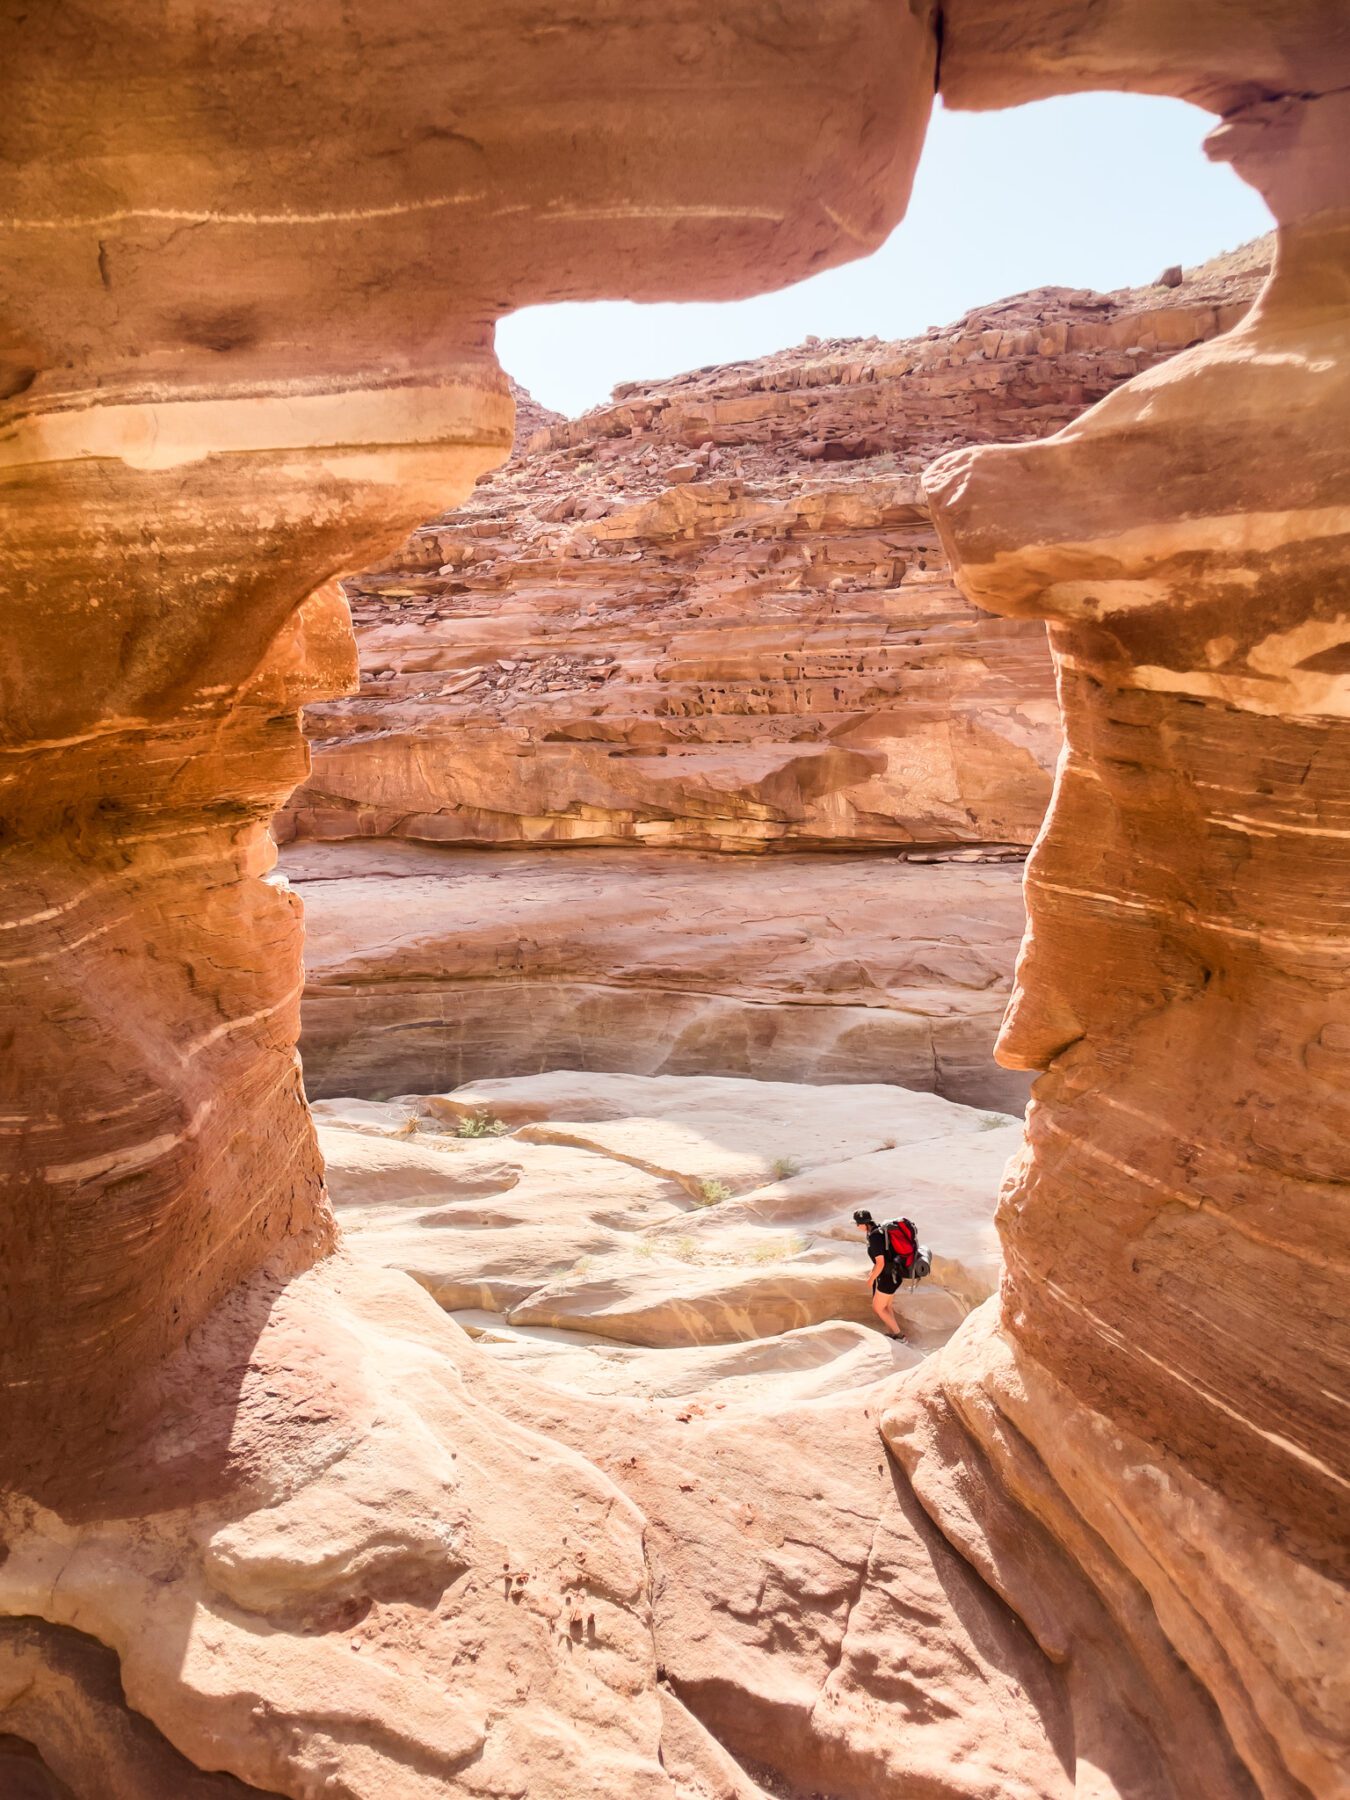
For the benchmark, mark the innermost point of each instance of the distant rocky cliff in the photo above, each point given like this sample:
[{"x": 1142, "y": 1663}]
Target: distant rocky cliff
[{"x": 713, "y": 615}]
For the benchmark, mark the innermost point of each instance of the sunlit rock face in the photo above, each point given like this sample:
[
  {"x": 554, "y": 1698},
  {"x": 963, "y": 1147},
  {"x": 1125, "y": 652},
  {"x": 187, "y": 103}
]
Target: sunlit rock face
[
  {"x": 667, "y": 1212},
  {"x": 714, "y": 614},
  {"x": 1161, "y": 1394},
  {"x": 331, "y": 1545},
  {"x": 249, "y": 260},
  {"x": 244, "y": 344},
  {"x": 427, "y": 966}
]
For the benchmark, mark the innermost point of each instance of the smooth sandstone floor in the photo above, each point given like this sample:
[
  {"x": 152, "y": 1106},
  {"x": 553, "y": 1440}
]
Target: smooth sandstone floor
[{"x": 669, "y": 1211}]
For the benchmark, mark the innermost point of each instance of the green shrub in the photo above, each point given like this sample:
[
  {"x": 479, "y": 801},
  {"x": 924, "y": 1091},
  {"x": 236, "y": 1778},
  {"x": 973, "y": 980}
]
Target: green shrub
[
  {"x": 785, "y": 1167},
  {"x": 711, "y": 1191},
  {"x": 481, "y": 1125}
]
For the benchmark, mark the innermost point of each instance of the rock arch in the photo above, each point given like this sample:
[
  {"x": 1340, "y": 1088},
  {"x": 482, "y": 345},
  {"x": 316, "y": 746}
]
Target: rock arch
[{"x": 218, "y": 397}]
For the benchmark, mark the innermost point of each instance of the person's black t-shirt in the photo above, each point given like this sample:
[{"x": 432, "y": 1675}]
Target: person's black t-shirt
[{"x": 876, "y": 1242}]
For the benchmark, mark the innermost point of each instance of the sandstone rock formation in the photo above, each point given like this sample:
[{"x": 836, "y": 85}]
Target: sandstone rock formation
[
  {"x": 531, "y": 417},
  {"x": 1144, "y": 1406},
  {"x": 249, "y": 257},
  {"x": 553, "y": 1614},
  {"x": 669, "y": 1210},
  {"x": 334, "y": 1546},
  {"x": 461, "y": 1579},
  {"x": 714, "y": 614},
  {"x": 427, "y": 967},
  {"x": 245, "y": 327}
]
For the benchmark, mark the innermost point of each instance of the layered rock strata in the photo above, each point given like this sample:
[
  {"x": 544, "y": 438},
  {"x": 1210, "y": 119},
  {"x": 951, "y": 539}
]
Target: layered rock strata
[
  {"x": 330, "y": 1544},
  {"x": 1144, "y": 1407},
  {"x": 244, "y": 343},
  {"x": 427, "y": 967},
  {"x": 245, "y": 346},
  {"x": 714, "y": 614},
  {"x": 711, "y": 615}
]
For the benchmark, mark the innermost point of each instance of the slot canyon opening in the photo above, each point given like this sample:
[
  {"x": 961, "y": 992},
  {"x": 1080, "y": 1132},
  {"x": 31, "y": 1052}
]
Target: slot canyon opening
[
  {"x": 668, "y": 1515},
  {"x": 671, "y": 625}
]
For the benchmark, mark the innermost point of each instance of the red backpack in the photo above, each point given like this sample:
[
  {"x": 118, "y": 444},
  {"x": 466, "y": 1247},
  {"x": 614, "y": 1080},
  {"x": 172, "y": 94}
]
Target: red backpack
[{"x": 902, "y": 1242}]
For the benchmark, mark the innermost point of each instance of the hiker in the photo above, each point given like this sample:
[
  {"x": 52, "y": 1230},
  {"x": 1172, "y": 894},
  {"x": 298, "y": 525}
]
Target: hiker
[{"x": 890, "y": 1266}]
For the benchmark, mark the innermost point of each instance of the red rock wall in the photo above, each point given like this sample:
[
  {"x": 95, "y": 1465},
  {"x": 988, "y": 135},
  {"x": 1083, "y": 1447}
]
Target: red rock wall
[
  {"x": 715, "y": 614},
  {"x": 1160, "y": 1394},
  {"x": 244, "y": 325}
]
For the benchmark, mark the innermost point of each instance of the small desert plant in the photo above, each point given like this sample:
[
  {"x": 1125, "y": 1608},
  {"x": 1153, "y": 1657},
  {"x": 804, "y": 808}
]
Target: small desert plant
[
  {"x": 783, "y": 1168},
  {"x": 686, "y": 1246},
  {"x": 480, "y": 1125},
  {"x": 710, "y": 1191},
  {"x": 779, "y": 1250}
]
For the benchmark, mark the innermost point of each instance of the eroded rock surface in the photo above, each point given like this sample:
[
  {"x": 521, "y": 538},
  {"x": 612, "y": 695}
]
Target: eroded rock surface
[
  {"x": 245, "y": 330},
  {"x": 1175, "y": 1432},
  {"x": 427, "y": 967},
  {"x": 714, "y": 614},
  {"x": 668, "y": 1211},
  {"x": 360, "y": 1552},
  {"x": 332, "y": 1545},
  {"x": 361, "y": 1555}
]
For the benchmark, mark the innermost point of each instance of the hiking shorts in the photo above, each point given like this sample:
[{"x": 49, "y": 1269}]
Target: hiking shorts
[{"x": 890, "y": 1279}]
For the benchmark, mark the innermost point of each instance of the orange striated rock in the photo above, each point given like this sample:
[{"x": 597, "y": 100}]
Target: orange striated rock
[
  {"x": 332, "y": 1546},
  {"x": 1217, "y": 55},
  {"x": 244, "y": 344},
  {"x": 1157, "y": 1400},
  {"x": 714, "y": 614},
  {"x": 249, "y": 257}
]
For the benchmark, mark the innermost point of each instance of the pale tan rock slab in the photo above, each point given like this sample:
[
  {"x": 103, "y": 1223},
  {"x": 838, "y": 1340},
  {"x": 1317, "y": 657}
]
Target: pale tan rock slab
[
  {"x": 427, "y": 967},
  {"x": 668, "y": 1211}
]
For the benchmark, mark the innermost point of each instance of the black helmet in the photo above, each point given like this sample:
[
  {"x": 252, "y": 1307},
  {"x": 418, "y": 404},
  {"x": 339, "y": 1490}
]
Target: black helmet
[{"x": 863, "y": 1218}]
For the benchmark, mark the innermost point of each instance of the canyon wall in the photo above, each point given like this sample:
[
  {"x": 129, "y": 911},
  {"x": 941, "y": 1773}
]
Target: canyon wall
[
  {"x": 426, "y": 968},
  {"x": 713, "y": 615},
  {"x": 246, "y": 342},
  {"x": 1155, "y": 1403},
  {"x": 266, "y": 1511}
]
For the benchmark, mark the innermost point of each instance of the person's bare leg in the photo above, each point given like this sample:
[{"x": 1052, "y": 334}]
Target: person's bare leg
[{"x": 883, "y": 1307}]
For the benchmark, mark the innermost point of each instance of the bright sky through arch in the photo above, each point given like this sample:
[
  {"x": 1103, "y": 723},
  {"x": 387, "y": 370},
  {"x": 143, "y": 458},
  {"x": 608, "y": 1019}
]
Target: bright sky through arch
[{"x": 1093, "y": 190}]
